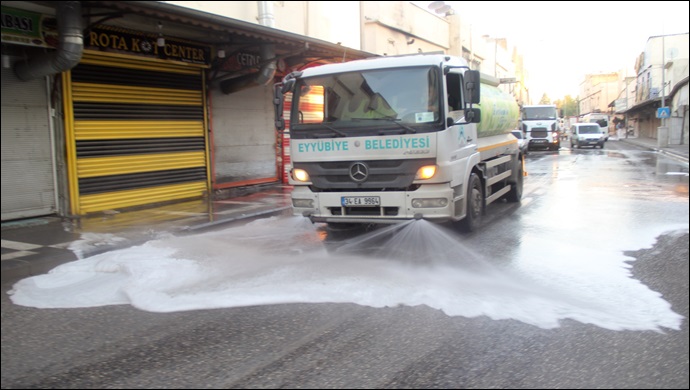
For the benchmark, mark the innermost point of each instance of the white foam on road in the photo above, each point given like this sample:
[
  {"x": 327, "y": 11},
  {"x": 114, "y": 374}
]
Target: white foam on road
[{"x": 284, "y": 260}]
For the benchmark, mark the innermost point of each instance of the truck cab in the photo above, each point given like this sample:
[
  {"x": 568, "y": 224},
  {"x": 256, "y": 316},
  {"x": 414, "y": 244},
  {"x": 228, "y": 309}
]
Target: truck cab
[
  {"x": 393, "y": 139},
  {"x": 540, "y": 125}
]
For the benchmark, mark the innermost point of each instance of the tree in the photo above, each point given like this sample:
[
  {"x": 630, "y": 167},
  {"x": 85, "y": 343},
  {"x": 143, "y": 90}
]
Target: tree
[
  {"x": 545, "y": 99},
  {"x": 566, "y": 107},
  {"x": 570, "y": 106}
]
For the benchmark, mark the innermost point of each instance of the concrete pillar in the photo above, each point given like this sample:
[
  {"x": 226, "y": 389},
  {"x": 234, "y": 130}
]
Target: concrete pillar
[
  {"x": 675, "y": 134},
  {"x": 662, "y": 136}
]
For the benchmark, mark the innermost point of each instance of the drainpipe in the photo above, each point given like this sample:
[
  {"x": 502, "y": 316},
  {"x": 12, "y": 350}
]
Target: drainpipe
[
  {"x": 70, "y": 46},
  {"x": 266, "y": 52}
]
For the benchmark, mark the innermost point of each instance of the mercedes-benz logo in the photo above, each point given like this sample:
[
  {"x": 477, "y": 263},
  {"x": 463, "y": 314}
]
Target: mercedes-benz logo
[{"x": 359, "y": 172}]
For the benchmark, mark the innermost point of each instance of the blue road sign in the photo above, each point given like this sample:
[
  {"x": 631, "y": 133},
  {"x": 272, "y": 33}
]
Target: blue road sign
[{"x": 663, "y": 112}]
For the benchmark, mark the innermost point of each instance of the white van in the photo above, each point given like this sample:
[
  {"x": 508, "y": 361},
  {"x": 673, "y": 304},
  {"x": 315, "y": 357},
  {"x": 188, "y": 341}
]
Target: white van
[
  {"x": 587, "y": 134},
  {"x": 601, "y": 119}
]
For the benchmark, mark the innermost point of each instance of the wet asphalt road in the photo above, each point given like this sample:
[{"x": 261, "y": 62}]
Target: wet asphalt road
[{"x": 582, "y": 197}]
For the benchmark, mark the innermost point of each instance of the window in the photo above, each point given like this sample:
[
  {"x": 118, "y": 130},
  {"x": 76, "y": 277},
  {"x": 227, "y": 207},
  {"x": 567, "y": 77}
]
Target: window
[{"x": 404, "y": 95}]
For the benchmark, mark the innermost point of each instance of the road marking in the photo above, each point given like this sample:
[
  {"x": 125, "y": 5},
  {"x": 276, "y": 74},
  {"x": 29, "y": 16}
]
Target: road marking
[
  {"x": 20, "y": 246},
  {"x": 14, "y": 255}
]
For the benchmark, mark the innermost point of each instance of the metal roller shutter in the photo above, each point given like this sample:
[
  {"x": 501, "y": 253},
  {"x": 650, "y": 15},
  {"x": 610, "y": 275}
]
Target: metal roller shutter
[
  {"x": 136, "y": 132},
  {"x": 28, "y": 172}
]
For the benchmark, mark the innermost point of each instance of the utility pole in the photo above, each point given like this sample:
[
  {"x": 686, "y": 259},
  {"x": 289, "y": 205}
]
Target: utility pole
[
  {"x": 662, "y": 131},
  {"x": 627, "y": 83},
  {"x": 663, "y": 77}
]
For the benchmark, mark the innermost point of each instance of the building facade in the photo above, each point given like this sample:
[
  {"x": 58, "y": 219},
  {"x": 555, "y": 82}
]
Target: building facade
[
  {"x": 597, "y": 91},
  {"x": 661, "y": 80}
]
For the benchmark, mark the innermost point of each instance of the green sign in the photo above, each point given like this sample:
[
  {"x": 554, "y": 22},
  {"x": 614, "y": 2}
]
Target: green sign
[{"x": 28, "y": 28}]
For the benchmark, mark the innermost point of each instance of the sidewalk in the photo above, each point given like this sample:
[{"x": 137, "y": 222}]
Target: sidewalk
[
  {"x": 679, "y": 152},
  {"x": 34, "y": 246}
]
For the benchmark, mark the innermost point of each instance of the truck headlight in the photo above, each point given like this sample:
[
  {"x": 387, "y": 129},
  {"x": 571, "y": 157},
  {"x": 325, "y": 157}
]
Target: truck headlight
[
  {"x": 420, "y": 203},
  {"x": 300, "y": 175},
  {"x": 425, "y": 172},
  {"x": 303, "y": 203}
]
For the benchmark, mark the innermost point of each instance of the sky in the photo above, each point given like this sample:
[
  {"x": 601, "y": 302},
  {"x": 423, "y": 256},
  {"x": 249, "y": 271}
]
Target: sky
[
  {"x": 564, "y": 40},
  {"x": 283, "y": 260}
]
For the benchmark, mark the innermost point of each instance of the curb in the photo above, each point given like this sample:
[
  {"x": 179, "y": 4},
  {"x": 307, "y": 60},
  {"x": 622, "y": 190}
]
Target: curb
[
  {"x": 673, "y": 155},
  {"x": 669, "y": 153},
  {"x": 208, "y": 225},
  {"x": 16, "y": 269}
]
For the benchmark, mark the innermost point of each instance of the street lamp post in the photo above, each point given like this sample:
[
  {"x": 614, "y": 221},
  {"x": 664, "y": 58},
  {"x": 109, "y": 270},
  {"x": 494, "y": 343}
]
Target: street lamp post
[{"x": 441, "y": 8}]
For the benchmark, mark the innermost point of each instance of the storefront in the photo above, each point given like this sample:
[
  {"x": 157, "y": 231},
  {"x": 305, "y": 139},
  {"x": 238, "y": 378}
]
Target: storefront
[
  {"x": 135, "y": 121},
  {"x": 642, "y": 118},
  {"x": 28, "y": 171},
  {"x": 163, "y": 103},
  {"x": 29, "y": 180}
]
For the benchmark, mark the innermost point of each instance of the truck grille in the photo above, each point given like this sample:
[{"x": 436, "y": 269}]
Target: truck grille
[
  {"x": 365, "y": 211},
  {"x": 539, "y": 132},
  {"x": 383, "y": 175}
]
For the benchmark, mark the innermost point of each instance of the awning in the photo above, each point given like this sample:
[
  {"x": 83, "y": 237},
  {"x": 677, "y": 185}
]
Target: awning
[
  {"x": 649, "y": 102},
  {"x": 296, "y": 50},
  {"x": 642, "y": 105}
]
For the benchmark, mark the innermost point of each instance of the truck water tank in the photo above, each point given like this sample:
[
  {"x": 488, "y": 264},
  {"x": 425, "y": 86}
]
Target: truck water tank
[{"x": 500, "y": 112}]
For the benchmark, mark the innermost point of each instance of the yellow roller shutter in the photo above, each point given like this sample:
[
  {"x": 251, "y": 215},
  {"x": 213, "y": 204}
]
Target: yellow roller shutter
[{"x": 136, "y": 132}]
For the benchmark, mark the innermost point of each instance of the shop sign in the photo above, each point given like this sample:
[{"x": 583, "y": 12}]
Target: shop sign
[
  {"x": 241, "y": 60},
  {"x": 108, "y": 39},
  {"x": 28, "y": 28},
  {"x": 621, "y": 104}
]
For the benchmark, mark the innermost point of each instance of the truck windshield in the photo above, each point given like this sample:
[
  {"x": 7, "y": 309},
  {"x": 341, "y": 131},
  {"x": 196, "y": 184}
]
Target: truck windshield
[
  {"x": 590, "y": 130},
  {"x": 532, "y": 113},
  {"x": 356, "y": 103},
  {"x": 603, "y": 123}
]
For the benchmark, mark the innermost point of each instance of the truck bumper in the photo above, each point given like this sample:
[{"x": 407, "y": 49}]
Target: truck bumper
[
  {"x": 394, "y": 207},
  {"x": 544, "y": 143}
]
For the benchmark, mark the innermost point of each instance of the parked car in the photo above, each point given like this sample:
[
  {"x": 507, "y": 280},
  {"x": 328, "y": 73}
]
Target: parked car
[
  {"x": 522, "y": 142},
  {"x": 587, "y": 134}
]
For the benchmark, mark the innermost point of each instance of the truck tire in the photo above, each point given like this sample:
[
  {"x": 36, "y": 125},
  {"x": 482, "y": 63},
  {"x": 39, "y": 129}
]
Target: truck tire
[
  {"x": 515, "y": 193},
  {"x": 475, "y": 200}
]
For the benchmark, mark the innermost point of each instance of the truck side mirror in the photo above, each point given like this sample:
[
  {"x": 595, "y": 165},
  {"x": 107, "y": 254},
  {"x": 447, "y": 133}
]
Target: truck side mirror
[
  {"x": 288, "y": 86},
  {"x": 471, "y": 79},
  {"x": 473, "y": 115},
  {"x": 278, "y": 106}
]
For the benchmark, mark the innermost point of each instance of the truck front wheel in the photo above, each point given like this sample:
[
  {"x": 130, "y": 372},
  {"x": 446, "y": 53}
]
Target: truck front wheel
[
  {"x": 475, "y": 200},
  {"x": 515, "y": 193}
]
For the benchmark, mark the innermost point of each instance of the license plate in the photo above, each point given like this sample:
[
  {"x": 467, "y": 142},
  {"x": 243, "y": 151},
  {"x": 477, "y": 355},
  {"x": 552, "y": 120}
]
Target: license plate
[
  {"x": 347, "y": 201},
  {"x": 538, "y": 141}
]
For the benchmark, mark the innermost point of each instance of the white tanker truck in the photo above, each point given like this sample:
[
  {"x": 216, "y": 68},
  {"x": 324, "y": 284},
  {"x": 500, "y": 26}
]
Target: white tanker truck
[{"x": 392, "y": 139}]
